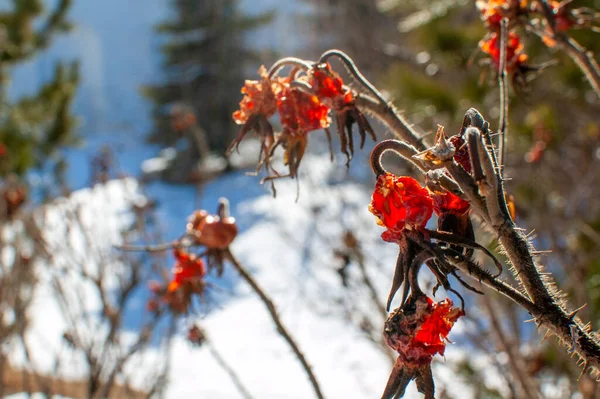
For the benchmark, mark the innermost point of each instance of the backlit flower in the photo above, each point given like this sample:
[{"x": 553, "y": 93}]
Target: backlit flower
[
  {"x": 260, "y": 97},
  {"x": 301, "y": 112},
  {"x": 400, "y": 203},
  {"x": 492, "y": 11},
  {"x": 446, "y": 202},
  {"x": 257, "y": 106},
  {"x": 330, "y": 89}
]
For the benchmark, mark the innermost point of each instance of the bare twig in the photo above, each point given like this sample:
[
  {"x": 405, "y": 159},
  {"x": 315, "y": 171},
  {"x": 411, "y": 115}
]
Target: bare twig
[
  {"x": 230, "y": 372},
  {"x": 529, "y": 390},
  {"x": 584, "y": 59},
  {"x": 280, "y": 327}
]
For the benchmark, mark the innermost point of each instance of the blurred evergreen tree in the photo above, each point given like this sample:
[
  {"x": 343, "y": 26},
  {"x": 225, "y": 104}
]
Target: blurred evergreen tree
[
  {"x": 34, "y": 127},
  {"x": 206, "y": 60}
]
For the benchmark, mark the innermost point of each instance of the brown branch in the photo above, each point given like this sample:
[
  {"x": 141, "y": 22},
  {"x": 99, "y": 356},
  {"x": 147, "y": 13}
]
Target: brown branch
[
  {"x": 280, "y": 327},
  {"x": 391, "y": 117},
  {"x": 583, "y": 58},
  {"x": 491, "y": 206},
  {"x": 547, "y": 311}
]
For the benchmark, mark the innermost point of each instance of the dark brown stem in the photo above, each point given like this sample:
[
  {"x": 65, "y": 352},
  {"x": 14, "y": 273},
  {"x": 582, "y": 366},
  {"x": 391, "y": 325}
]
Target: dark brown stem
[
  {"x": 400, "y": 148},
  {"x": 280, "y": 327},
  {"x": 470, "y": 269},
  {"x": 353, "y": 70},
  {"x": 546, "y": 310},
  {"x": 584, "y": 60}
]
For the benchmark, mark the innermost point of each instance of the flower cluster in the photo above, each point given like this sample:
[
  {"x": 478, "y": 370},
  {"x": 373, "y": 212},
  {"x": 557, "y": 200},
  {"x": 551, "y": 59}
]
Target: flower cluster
[
  {"x": 550, "y": 20},
  {"x": 187, "y": 279},
  {"x": 214, "y": 233},
  {"x": 492, "y": 13},
  {"x": 304, "y": 104}
]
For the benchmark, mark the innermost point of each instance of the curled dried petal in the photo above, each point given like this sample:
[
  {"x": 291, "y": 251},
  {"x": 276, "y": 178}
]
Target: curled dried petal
[
  {"x": 419, "y": 329},
  {"x": 260, "y": 97},
  {"x": 445, "y": 203},
  {"x": 301, "y": 112}
]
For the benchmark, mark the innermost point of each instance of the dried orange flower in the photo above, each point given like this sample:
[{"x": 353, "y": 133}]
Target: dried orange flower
[
  {"x": 257, "y": 106},
  {"x": 260, "y": 97},
  {"x": 492, "y": 11},
  {"x": 301, "y": 112},
  {"x": 328, "y": 85},
  {"x": 330, "y": 89}
]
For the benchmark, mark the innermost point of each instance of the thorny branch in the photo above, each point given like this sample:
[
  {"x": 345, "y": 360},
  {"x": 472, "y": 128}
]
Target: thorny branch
[
  {"x": 540, "y": 302},
  {"x": 584, "y": 59}
]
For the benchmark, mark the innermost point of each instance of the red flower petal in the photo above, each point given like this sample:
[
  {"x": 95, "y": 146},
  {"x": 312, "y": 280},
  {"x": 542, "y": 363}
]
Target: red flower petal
[
  {"x": 514, "y": 51},
  {"x": 449, "y": 203},
  {"x": 399, "y": 203},
  {"x": 433, "y": 333},
  {"x": 325, "y": 82},
  {"x": 188, "y": 267},
  {"x": 419, "y": 330}
]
